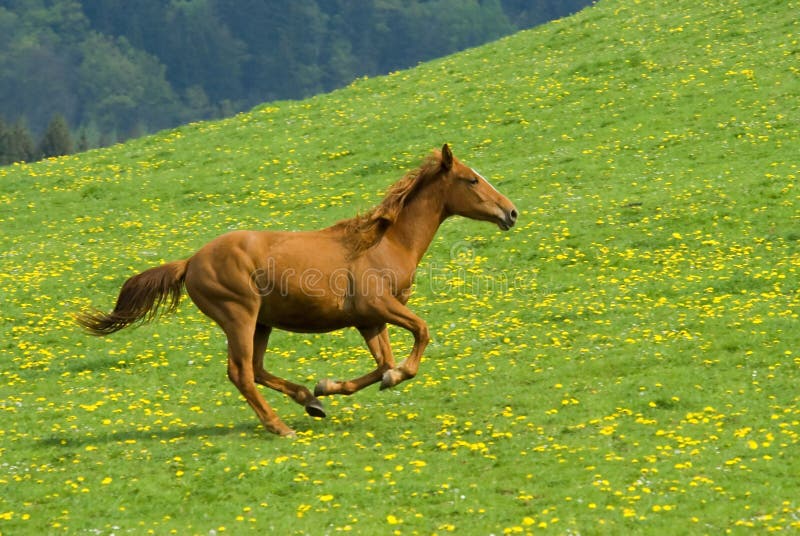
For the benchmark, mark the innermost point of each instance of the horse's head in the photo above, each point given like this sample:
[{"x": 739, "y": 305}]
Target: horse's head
[{"x": 468, "y": 194}]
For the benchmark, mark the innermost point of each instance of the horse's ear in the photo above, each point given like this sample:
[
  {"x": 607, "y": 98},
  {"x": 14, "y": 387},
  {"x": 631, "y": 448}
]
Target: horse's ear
[{"x": 447, "y": 157}]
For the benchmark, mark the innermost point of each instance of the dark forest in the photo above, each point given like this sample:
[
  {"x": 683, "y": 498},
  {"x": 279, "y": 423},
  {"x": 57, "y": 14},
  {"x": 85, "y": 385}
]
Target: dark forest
[{"x": 81, "y": 74}]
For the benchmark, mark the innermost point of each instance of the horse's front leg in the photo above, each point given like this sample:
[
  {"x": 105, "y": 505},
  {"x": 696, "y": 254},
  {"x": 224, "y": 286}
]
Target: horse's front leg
[
  {"x": 377, "y": 339},
  {"x": 398, "y": 314}
]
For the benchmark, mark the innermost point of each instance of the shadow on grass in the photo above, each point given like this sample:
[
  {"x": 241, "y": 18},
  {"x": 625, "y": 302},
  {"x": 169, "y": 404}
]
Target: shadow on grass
[{"x": 143, "y": 436}]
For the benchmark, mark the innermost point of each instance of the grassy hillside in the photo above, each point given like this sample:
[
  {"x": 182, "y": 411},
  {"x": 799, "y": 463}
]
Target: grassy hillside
[{"x": 624, "y": 360}]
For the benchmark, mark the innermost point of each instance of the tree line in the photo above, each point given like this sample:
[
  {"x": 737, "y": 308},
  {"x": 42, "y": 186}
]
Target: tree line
[
  {"x": 107, "y": 70},
  {"x": 17, "y": 144}
]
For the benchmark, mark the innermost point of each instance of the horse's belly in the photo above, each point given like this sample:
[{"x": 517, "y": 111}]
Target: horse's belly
[{"x": 306, "y": 314}]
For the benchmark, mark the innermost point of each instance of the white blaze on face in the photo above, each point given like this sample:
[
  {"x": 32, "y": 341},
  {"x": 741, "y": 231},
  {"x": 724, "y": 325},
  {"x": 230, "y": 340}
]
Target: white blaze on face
[
  {"x": 499, "y": 211},
  {"x": 484, "y": 178}
]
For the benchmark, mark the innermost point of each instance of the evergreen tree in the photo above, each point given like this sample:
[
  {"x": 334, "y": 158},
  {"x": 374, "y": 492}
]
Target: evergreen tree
[
  {"x": 83, "y": 142},
  {"x": 57, "y": 140},
  {"x": 20, "y": 147}
]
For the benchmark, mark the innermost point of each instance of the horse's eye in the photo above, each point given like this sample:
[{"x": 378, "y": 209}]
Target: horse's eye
[{"x": 473, "y": 181}]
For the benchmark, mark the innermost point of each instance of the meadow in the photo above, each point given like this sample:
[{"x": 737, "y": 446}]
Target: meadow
[{"x": 625, "y": 360}]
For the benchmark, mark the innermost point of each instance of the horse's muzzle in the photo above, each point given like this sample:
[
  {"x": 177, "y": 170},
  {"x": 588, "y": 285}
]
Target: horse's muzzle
[{"x": 509, "y": 219}]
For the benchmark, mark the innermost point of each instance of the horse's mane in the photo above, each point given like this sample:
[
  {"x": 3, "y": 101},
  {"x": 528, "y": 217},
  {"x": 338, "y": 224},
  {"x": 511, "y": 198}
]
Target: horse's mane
[{"x": 365, "y": 230}]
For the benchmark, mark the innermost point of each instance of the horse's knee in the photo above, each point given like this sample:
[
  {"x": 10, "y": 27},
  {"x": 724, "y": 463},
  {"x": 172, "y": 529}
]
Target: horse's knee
[
  {"x": 233, "y": 372},
  {"x": 236, "y": 376},
  {"x": 424, "y": 334}
]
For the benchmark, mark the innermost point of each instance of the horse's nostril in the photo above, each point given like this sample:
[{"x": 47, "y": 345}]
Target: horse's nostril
[{"x": 513, "y": 214}]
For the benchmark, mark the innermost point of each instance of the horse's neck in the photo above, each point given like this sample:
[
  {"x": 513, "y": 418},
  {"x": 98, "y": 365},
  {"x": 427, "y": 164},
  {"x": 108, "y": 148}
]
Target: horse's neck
[{"x": 417, "y": 223}]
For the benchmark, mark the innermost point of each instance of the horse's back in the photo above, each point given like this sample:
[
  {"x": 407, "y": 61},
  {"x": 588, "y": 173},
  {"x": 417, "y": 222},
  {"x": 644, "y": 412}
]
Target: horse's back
[{"x": 261, "y": 247}]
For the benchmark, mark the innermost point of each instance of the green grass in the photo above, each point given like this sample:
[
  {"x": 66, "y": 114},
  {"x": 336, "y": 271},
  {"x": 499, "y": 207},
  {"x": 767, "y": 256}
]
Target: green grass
[{"x": 624, "y": 361}]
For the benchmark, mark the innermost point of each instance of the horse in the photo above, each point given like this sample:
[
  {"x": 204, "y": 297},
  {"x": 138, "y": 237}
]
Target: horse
[{"x": 356, "y": 273}]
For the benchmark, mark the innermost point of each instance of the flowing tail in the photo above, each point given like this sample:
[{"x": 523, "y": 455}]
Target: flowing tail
[{"x": 139, "y": 299}]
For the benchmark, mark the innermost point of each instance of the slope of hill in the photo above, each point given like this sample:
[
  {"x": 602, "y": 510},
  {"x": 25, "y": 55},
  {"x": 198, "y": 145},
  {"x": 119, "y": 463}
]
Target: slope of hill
[
  {"x": 625, "y": 359},
  {"x": 110, "y": 72}
]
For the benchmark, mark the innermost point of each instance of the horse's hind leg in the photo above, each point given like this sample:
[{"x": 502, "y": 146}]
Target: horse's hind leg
[
  {"x": 377, "y": 339},
  {"x": 298, "y": 393},
  {"x": 241, "y": 374}
]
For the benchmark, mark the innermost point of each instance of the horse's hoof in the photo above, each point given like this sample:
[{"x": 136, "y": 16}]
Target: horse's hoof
[
  {"x": 280, "y": 429},
  {"x": 315, "y": 409},
  {"x": 323, "y": 387}
]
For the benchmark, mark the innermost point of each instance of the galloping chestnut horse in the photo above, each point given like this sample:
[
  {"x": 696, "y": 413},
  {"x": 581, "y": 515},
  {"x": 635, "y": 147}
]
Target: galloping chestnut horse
[{"x": 356, "y": 273}]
